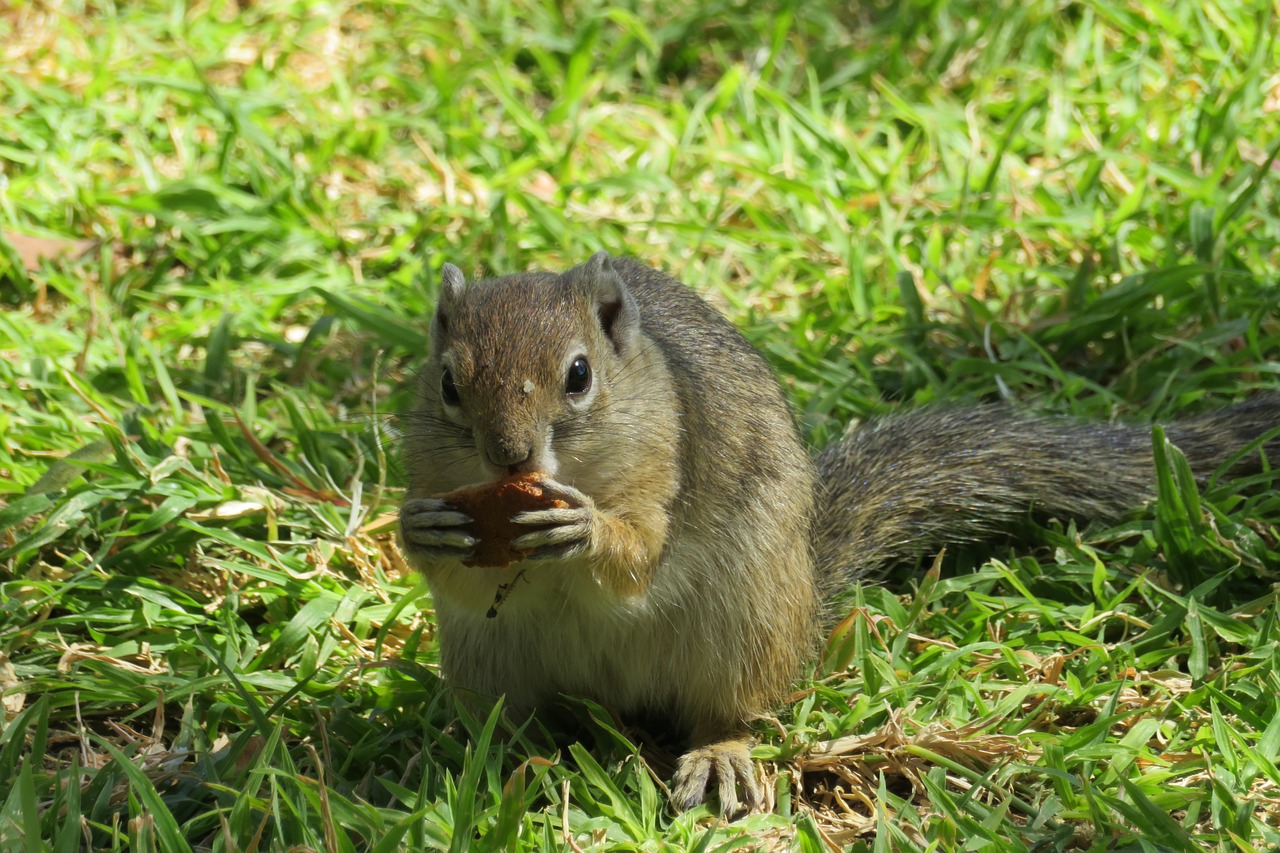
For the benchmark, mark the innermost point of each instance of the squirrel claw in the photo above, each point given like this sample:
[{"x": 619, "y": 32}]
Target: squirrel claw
[
  {"x": 430, "y": 527},
  {"x": 570, "y": 531},
  {"x": 730, "y": 762},
  {"x": 559, "y": 491},
  {"x": 431, "y": 512},
  {"x": 566, "y": 531}
]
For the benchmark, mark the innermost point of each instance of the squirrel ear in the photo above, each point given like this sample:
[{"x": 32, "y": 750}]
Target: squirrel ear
[
  {"x": 451, "y": 286},
  {"x": 615, "y": 306},
  {"x": 451, "y": 283}
]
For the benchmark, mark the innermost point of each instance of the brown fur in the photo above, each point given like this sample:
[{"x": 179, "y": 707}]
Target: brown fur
[
  {"x": 684, "y": 581},
  {"x": 696, "y": 599},
  {"x": 904, "y": 486}
]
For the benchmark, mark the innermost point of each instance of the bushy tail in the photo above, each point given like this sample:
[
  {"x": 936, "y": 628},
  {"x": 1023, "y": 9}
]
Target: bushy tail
[{"x": 904, "y": 486}]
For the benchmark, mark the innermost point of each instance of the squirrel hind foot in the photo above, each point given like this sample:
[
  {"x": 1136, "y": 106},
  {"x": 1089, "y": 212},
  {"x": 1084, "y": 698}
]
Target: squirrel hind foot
[{"x": 731, "y": 764}]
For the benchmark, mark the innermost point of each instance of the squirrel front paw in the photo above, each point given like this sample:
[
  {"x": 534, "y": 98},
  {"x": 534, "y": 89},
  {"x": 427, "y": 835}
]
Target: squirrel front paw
[
  {"x": 564, "y": 531},
  {"x": 431, "y": 528}
]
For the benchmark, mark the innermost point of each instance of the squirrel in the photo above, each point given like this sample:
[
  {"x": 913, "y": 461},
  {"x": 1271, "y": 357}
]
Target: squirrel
[{"x": 688, "y": 577}]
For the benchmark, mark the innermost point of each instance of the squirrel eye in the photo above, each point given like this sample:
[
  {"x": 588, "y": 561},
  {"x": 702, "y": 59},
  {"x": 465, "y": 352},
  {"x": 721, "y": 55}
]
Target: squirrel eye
[
  {"x": 578, "y": 380},
  {"x": 449, "y": 391}
]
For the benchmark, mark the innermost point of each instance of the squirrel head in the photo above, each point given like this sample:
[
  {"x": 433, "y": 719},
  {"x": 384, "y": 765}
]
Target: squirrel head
[{"x": 522, "y": 365}]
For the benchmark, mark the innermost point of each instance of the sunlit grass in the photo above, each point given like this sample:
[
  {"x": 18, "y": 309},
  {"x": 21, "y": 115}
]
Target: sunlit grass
[{"x": 206, "y": 635}]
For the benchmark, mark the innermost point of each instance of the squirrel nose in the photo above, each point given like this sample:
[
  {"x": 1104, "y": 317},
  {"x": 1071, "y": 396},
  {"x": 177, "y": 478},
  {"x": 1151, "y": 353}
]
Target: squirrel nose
[{"x": 509, "y": 453}]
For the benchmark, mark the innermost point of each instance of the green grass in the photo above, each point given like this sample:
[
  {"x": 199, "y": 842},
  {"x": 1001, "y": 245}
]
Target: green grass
[{"x": 207, "y": 640}]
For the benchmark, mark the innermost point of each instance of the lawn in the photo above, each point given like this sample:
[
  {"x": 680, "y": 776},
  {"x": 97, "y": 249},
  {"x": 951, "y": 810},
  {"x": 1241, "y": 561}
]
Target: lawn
[{"x": 208, "y": 640}]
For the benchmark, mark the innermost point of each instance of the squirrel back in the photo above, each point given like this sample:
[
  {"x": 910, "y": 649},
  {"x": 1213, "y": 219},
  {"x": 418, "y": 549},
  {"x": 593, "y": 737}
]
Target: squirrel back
[{"x": 738, "y": 437}]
